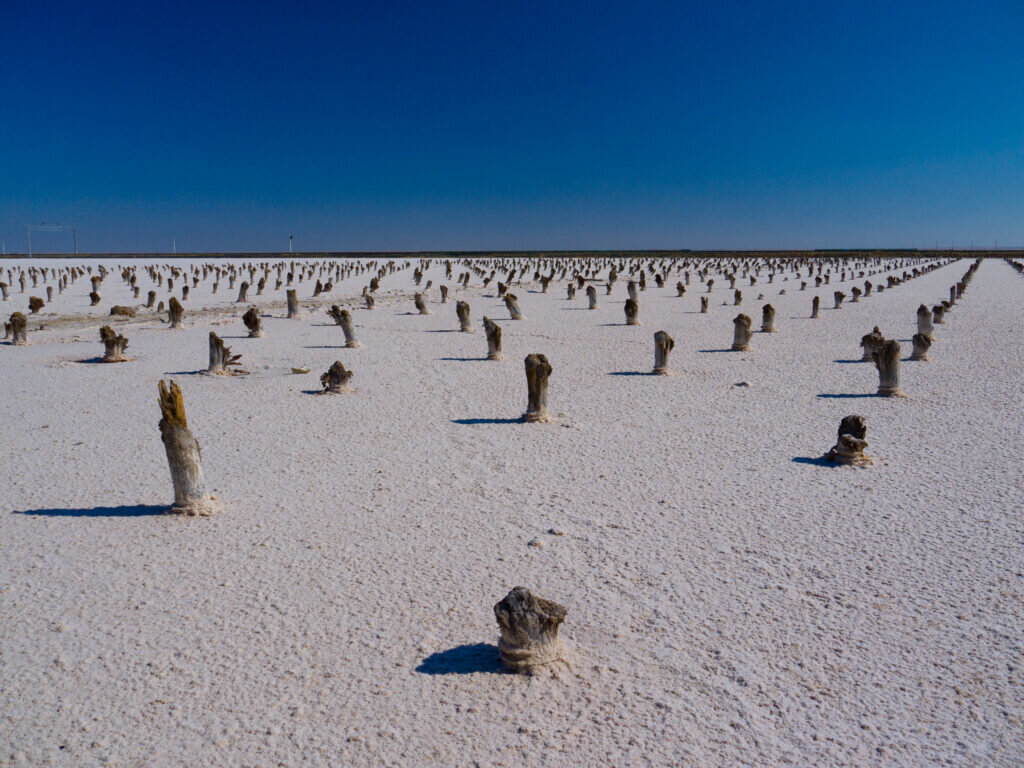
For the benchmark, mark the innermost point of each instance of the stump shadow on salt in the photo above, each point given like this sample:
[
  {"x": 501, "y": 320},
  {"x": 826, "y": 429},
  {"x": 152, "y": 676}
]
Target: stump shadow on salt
[
  {"x": 630, "y": 373},
  {"x": 463, "y": 660},
  {"x": 471, "y": 422},
  {"x": 128, "y": 510},
  {"x": 463, "y": 359},
  {"x": 845, "y": 396},
  {"x": 817, "y": 461},
  {"x": 713, "y": 351},
  {"x": 851, "y": 361}
]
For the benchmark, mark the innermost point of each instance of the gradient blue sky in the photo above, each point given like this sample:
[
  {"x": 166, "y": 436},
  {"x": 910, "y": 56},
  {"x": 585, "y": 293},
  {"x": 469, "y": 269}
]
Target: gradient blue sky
[{"x": 517, "y": 125}]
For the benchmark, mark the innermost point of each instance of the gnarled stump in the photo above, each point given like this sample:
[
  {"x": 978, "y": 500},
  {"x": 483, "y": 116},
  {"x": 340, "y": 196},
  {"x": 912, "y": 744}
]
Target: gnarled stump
[
  {"x": 768, "y": 319},
  {"x": 493, "y": 332},
  {"x": 922, "y": 342},
  {"x": 421, "y": 305},
  {"x": 838, "y": 296},
  {"x": 529, "y": 631},
  {"x": 335, "y": 381},
  {"x": 175, "y": 313},
  {"x": 871, "y": 342},
  {"x": 462, "y": 310},
  {"x": 850, "y": 445},
  {"x": 538, "y": 369},
  {"x": 512, "y": 302},
  {"x": 113, "y": 345},
  {"x": 19, "y": 325},
  {"x": 94, "y": 299},
  {"x": 741, "y": 333},
  {"x": 663, "y": 344},
  {"x": 183, "y": 457},
  {"x": 253, "y": 322},
  {"x": 632, "y": 310},
  {"x": 220, "y": 357},
  {"x": 35, "y": 304},
  {"x": 887, "y": 361},
  {"x": 120, "y": 310}
]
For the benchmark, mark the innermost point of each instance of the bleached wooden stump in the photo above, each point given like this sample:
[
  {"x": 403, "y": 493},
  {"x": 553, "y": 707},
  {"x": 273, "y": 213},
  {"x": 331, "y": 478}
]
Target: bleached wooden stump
[
  {"x": 591, "y": 297},
  {"x": 444, "y": 294},
  {"x": 663, "y": 344},
  {"x": 253, "y": 322},
  {"x": 768, "y": 319},
  {"x": 850, "y": 443},
  {"x": 939, "y": 314},
  {"x": 221, "y": 359},
  {"x": 293, "y": 303},
  {"x": 631, "y": 289},
  {"x": 704, "y": 304},
  {"x": 113, "y": 345},
  {"x": 493, "y": 332},
  {"x": 243, "y": 293},
  {"x": 871, "y": 342},
  {"x": 924, "y": 322},
  {"x": 512, "y": 302},
  {"x": 741, "y": 333},
  {"x": 462, "y": 312},
  {"x": 19, "y": 329},
  {"x": 922, "y": 342},
  {"x": 632, "y": 310},
  {"x": 150, "y": 299},
  {"x": 538, "y": 369},
  {"x": 335, "y": 380},
  {"x": 183, "y": 457},
  {"x": 529, "y": 625},
  {"x": 175, "y": 313},
  {"x": 887, "y": 361},
  {"x": 838, "y": 296},
  {"x": 421, "y": 304}
]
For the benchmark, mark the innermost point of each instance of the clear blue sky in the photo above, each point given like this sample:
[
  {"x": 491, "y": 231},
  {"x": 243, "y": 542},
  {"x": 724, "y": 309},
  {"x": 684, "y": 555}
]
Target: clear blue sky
[{"x": 516, "y": 125}]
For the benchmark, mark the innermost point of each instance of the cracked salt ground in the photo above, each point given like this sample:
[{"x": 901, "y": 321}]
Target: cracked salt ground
[{"x": 770, "y": 612}]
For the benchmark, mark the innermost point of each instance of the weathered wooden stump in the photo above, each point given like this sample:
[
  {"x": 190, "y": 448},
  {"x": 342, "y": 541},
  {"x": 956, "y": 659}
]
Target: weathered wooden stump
[
  {"x": 939, "y": 314},
  {"x": 663, "y": 344},
  {"x": 444, "y": 294},
  {"x": 815, "y": 305},
  {"x": 924, "y": 322},
  {"x": 35, "y": 304},
  {"x": 838, "y": 296},
  {"x": 741, "y": 333},
  {"x": 3, "y": 290},
  {"x": 421, "y": 304},
  {"x": 570, "y": 291},
  {"x": 221, "y": 359},
  {"x": 680, "y": 289},
  {"x": 120, "y": 310},
  {"x": 538, "y": 369},
  {"x": 253, "y": 322},
  {"x": 94, "y": 299},
  {"x": 737, "y": 298},
  {"x": 462, "y": 311},
  {"x": 19, "y": 329},
  {"x": 512, "y": 302},
  {"x": 632, "y": 310},
  {"x": 493, "y": 332},
  {"x": 293, "y": 303},
  {"x": 591, "y": 297},
  {"x": 335, "y": 380},
  {"x": 529, "y": 631},
  {"x": 768, "y": 319},
  {"x": 704, "y": 303},
  {"x": 871, "y": 342},
  {"x": 175, "y": 313},
  {"x": 631, "y": 289},
  {"x": 850, "y": 444},
  {"x": 370, "y": 302},
  {"x": 183, "y": 457},
  {"x": 113, "y": 345},
  {"x": 887, "y": 361},
  {"x": 922, "y": 342}
]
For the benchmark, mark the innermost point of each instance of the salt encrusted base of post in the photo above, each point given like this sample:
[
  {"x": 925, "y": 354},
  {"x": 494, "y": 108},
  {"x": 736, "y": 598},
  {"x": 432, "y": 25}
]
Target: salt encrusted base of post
[
  {"x": 538, "y": 369},
  {"x": 529, "y": 626},
  {"x": 183, "y": 457},
  {"x": 850, "y": 445}
]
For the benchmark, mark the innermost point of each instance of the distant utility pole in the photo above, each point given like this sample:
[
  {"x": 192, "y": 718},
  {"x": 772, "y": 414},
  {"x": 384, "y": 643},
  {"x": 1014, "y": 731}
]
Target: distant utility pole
[
  {"x": 289, "y": 243},
  {"x": 174, "y": 245}
]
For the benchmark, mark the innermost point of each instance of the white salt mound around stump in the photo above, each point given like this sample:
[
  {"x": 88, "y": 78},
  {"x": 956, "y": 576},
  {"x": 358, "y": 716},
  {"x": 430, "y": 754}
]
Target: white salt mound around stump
[{"x": 529, "y": 631}]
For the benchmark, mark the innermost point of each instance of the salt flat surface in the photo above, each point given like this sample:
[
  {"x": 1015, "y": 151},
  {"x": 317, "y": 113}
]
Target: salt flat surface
[{"x": 731, "y": 600}]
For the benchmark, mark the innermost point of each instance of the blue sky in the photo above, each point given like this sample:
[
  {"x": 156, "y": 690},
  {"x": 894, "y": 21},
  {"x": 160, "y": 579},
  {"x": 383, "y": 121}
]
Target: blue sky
[{"x": 468, "y": 126}]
